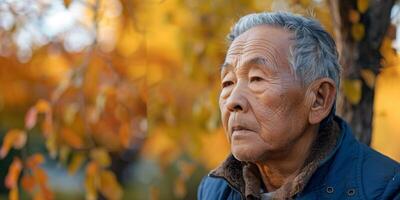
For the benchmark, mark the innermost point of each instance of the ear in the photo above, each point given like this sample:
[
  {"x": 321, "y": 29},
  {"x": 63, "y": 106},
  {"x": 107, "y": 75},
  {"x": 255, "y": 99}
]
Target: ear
[{"x": 322, "y": 93}]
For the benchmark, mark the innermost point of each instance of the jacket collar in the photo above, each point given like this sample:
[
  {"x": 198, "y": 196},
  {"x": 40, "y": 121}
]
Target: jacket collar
[{"x": 245, "y": 178}]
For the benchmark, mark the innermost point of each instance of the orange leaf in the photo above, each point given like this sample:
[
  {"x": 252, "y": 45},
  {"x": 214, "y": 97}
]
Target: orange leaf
[
  {"x": 14, "y": 138},
  {"x": 92, "y": 168},
  {"x": 354, "y": 16},
  {"x": 13, "y": 173},
  {"x": 125, "y": 135},
  {"x": 43, "y": 106},
  {"x": 34, "y": 161},
  {"x": 31, "y": 118},
  {"x": 179, "y": 187},
  {"x": 47, "y": 125},
  {"x": 48, "y": 194},
  {"x": 28, "y": 183},
  {"x": 67, "y": 3},
  {"x": 71, "y": 138},
  {"x": 41, "y": 176}
]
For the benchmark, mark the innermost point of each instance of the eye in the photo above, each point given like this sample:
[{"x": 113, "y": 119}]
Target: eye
[
  {"x": 227, "y": 84},
  {"x": 256, "y": 79}
]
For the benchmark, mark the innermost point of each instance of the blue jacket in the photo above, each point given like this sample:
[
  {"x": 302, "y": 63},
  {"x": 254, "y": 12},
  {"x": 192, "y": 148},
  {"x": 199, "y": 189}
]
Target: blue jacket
[{"x": 352, "y": 171}]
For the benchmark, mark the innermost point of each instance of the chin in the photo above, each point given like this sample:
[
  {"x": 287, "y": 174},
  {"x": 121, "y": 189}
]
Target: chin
[{"x": 247, "y": 153}]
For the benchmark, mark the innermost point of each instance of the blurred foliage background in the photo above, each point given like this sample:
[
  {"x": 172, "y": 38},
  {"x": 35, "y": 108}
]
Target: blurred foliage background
[{"x": 118, "y": 99}]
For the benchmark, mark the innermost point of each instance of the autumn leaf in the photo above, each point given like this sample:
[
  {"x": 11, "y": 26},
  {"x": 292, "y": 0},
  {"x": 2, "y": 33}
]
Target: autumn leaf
[
  {"x": 354, "y": 16},
  {"x": 76, "y": 162},
  {"x": 369, "y": 77},
  {"x": 91, "y": 180},
  {"x": 41, "y": 176},
  {"x": 13, "y": 195},
  {"x": 71, "y": 138},
  {"x": 101, "y": 156},
  {"x": 13, "y": 138},
  {"x": 362, "y": 5},
  {"x": 43, "y": 106},
  {"x": 357, "y": 31},
  {"x": 179, "y": 187},
  {"x": 28, "y": 182},
  {"x": 125, "y": 135},
  {"x": 109, "y": 185},
  {"x": 67, "y": 3},
  {"x": 305, "y": 3},
  {"x": 352, "y": 90},
  {"x": 35, "y": 160},
  {"x": 12, "y": 176},
  {"x": 31, "y": 118},
  {"x": 47, "y": 125},
  {"x": 51, "y": 145}
]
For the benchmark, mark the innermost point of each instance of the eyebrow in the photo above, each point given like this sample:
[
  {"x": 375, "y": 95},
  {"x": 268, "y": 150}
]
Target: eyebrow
[{"x": 256, "y": 60}]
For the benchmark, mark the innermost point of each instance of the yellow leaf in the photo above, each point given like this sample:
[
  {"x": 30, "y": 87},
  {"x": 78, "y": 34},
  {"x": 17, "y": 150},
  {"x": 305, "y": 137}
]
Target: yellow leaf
[
  {"x": 129, "y": 42},
  {"x": 43, "y": 106},
  {"x": 91, "y": 181},
  {"x": 362, "y": 5},
  {"x": 70, "y": 112},
  {"x": 109, "y": 185},
  {"x": 64, "y": 152},
  {"x": 354, "y": 16},
  {"x": 11, "y": 180},
  {"x": 13, "y": 195},
  {"x": 13, "y": 138},
  {"x": 101, "y": 156},
  {"x": 369, "y": 77},
  {"x": 155, "y": 74},
  {"x": 77, "y": 161},
  {"x": 305, "y": 3},
  {"x": 51, "y": 145},
  {"x": 357, "y": 31},
  {"x": 352, "y": 90}
]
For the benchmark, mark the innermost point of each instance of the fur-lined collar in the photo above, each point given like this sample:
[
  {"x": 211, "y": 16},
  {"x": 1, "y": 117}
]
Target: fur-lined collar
[{"x": 246, "y": 179}]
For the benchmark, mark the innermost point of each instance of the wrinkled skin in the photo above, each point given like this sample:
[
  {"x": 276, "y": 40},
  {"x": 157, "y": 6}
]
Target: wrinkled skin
[{"x": 263, "y": 105}]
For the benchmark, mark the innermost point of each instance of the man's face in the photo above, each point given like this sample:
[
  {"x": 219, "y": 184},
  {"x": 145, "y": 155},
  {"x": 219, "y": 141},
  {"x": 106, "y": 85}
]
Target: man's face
[{"x": 262, "y": 103}]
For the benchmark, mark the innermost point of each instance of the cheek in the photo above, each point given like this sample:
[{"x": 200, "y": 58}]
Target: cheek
[{"x": 224, "y": 114}]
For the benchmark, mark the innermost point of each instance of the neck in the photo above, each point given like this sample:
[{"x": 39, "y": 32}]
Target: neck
[{"x": 278, "y": 171}]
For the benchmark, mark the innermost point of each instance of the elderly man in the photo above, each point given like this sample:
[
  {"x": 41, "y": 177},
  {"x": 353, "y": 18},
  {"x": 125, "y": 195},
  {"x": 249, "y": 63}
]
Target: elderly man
[{"x": 279, "y": 83}]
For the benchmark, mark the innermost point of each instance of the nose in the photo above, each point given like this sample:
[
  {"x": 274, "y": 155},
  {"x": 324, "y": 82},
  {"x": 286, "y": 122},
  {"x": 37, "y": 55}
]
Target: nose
[{"x": 237, "y": 101}]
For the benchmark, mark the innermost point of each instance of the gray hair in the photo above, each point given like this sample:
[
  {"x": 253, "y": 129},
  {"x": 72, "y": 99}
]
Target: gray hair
[{"x": 313, "y": 54}]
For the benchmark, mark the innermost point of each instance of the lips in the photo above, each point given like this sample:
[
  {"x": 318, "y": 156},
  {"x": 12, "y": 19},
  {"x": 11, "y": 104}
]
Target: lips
[
  {"x": 240, "y": 128},
  {"x": 241, "y": 123}
]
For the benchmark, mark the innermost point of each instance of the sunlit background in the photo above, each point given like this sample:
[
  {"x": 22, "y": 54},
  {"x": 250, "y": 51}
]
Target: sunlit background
[{"x": 118, "y": 99}]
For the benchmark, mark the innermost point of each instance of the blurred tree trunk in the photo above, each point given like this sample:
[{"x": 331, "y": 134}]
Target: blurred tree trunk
[{"x": 359, "y": 29}]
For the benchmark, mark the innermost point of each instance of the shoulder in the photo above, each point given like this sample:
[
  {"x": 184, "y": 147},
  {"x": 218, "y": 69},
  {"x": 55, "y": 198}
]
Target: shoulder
[
  {"x": 380, "y": 175},
  {"x": 215, "y": 188}
]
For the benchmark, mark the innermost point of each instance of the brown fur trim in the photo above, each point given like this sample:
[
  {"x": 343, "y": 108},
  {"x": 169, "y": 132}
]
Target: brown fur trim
[{"x": 246, "y": 178}]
